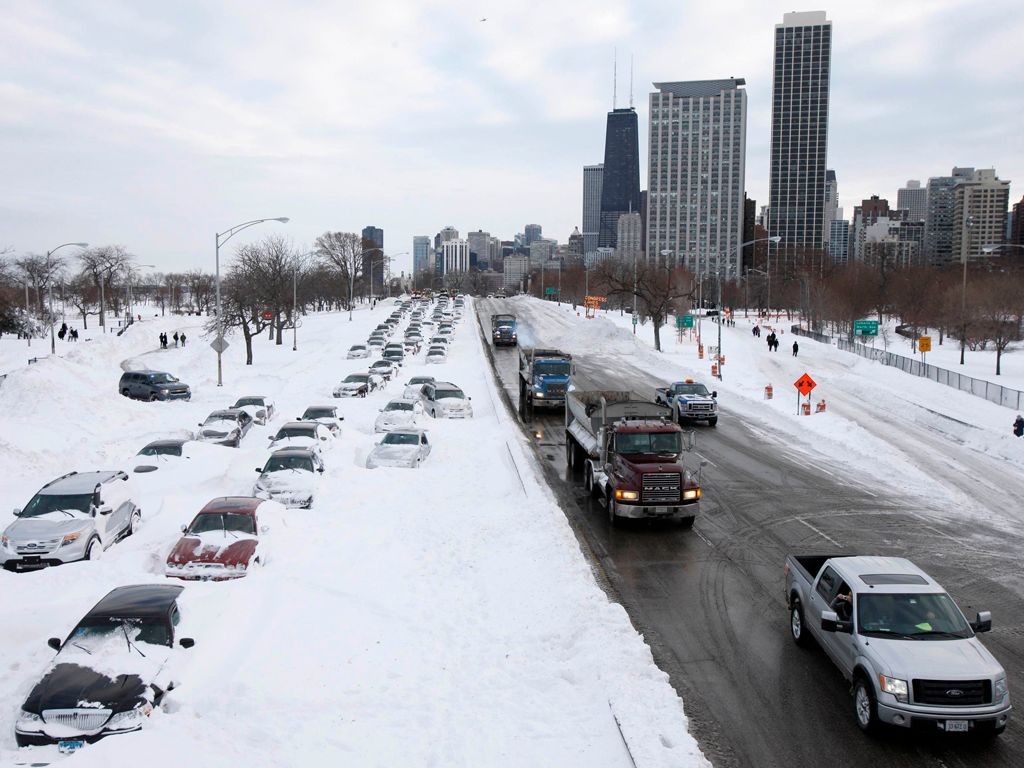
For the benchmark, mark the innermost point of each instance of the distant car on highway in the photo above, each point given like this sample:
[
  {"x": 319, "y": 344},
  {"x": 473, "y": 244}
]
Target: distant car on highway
[
  {"x": 444, "y": 400},
  {"x": 358, "y": 351},
  {"x": 437, "y": 354},
  {"x": 397, "y": 414},
  {"x": 383, "y": 368},
  {"x": 260, "y": 407},
  {"x": 222, "y": 542},
  {"x": 301, "y": 434},
  {"x": 225, "y": 427},
  {"x": 326, "y": 415},
  {"x": 690, "y": 401},
  {"x": 414, "y": 386},
  {"x": 400, "y": 448},
  {"x": 358, "y": 385},
  {"x": 290, "y": 477},
  {"x": 153, "y": 385},
  {"x": 74, "y": 517},
  {"x": 111, "y": 671},
  {"x": 395, "y": 356}
]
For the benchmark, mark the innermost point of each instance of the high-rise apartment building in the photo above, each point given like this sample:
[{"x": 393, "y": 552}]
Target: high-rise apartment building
[
  {"x": 800, "y": 98},
  {"x": 865, "y": 215},
  {"x": 575, "y": 248},
  {"x": 532, "y": 233},
  {"x": 938, "y": 228},
  {"x": 373, "y": 259},
  {"x": 1017, "y": 229},
  {"x": 696, "y": 173},
  {"x": 979, "y": 214},
  {"x": 629, "y": 232},
  {"x": 456, "y": 256},
  {"x": 446, "y": 234},
  {"x": 479, "y": 247},
  {"x": 831, "y": 200},
  {"x": 839, "y": 239},
  {"x": 421, "y": 255},
  {"x": 593, "y": 176},
  {"x": 515, "y": 270},
  {"x": 913, "y": 199},
  {"x": 541, "y": 251},
  {"x": 620, "y": 183}
]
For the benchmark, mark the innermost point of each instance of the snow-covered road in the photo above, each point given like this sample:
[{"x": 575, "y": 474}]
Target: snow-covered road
[{"x": 441, "y": 616}]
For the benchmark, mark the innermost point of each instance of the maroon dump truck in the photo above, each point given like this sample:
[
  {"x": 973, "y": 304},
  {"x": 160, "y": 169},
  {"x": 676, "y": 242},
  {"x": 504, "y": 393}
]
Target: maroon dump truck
[{"x": 631, "y": 454}]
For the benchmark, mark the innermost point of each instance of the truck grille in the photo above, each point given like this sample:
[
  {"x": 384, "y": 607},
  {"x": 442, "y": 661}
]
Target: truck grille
[
  {"x": 693, "y": 407},
  {"x": 37, "y": 547},
  {"x": 556, "y": 389},
  {"x": 79, "y": 719},
  {"x": 953, "y": 693},
  {"x": 659, "y": 487}
]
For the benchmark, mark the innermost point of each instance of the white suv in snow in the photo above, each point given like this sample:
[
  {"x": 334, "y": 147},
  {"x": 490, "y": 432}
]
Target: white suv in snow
[{"x": 74, "y": 517}]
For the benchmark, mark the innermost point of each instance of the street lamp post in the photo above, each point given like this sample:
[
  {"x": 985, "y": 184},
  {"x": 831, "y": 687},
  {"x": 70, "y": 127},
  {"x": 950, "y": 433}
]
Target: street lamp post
[
  {"x": 220, "y": 239},
  {"x": 963, "y": 290},
  {"x": 53, "y": 340}
]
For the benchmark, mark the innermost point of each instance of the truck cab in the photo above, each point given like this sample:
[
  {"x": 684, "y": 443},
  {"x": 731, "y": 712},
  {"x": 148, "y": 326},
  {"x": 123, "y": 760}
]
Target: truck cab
[
  {"x": 912, "y": 658},
  {"x": 545, "y": 376},
  {"x": 691, "y": 400},
  {"x": 503, "y": 330}
]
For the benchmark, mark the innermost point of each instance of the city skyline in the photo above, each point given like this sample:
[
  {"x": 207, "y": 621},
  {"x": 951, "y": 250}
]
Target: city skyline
[{"x": 240, "y": 136}]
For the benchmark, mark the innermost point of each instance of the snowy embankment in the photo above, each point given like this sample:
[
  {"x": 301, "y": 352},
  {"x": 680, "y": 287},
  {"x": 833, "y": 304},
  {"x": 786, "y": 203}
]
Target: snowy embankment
[
  {"x": 440, "y": 616},
  {"x": 882, "y": 427}
]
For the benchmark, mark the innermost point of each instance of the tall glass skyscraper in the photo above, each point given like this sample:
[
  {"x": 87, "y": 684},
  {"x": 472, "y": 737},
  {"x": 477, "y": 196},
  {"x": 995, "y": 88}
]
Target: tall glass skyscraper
[
  {"x": 620, "y": 184},
  {"x": 593, "y": 176},
  {"x": 800, "y": 90},
  {"x": 421, "y": 255}
]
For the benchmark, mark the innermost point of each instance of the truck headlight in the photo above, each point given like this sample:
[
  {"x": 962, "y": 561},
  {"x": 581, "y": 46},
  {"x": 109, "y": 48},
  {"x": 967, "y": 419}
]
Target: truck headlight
[
  {"x": 1001, "y": 691},
  {"x": 691, "y": 494},
  {"x": 895, "y": 686},
  {"x": 29, "y": 721},
  {"x": 538, "y": 393},
  {"x": 70, "y": 538},
  {"x": 626, "y": 495}
]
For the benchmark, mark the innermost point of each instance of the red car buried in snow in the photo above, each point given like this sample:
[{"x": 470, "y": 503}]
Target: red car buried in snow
[{"x": 222, "y": 542}]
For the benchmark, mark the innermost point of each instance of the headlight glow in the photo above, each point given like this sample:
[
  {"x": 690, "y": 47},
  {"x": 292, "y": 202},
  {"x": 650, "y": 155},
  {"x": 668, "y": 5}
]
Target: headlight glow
[
  {"x": 895, "y": 686},
  {"x": 627, "y": 495},
  {"x": 70, "y": 539},
  {"x": 691, "y": 494}
]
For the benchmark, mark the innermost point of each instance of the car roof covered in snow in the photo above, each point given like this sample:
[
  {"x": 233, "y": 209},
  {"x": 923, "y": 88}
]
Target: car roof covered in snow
[
  {"x": 294, "y": 451},
  {"x": 137, "y": 601},
  {"x": 166, "y": 443},
  {"x": 238, "y": 505},
  {"x": 79, "y": 482}
]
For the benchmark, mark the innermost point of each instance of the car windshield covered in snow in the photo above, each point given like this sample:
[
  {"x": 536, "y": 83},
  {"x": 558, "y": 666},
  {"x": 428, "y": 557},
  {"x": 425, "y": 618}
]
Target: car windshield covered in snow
[
  {"x": 243, "y": 401},
  {"x": 162, "y": 378},
  {"x": 357, "y": 378},
  {"x": 421, "y": 380},
  {"x": 319, "y": 413},
  {"x": 45, "y": 503},
  {"x": 401, "y": 438},
  {"x": 221, "y": 521},
  {"x": 648, "y": 442},
  {"x": 443, "y": 394},
  {"x": 396, "y": 405},
  {"x": 551, "y": 368},
  {"x": 357, "y": 347},
  {"x": 284, "y": 432},
  {"x": 911, "y": 617},
  {"x": 222, "y": 420},
  {"x": 161, "y": 449},
  {"x": 689, "y": 389},
  {"x": 103, "y": 633},
  {"x": 279, "y": 463}
]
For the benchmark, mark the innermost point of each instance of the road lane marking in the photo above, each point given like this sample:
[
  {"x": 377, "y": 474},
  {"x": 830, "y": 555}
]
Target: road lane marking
[
  {"x": 820, "y": 533},
  {"x": 709, "y": 461},
  {"x": 703, "y": 538}
]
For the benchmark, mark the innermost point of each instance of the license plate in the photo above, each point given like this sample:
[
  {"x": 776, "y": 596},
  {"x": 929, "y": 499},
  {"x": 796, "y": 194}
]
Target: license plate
[
  {"x": 70, "y": 746},
  {"x": 956, "y": 726}
]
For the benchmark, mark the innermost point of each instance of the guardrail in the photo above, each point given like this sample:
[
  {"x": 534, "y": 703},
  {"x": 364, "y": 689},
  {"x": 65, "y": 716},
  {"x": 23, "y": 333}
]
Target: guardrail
[
  {"x": 994, "y": 393},
  {"x": 811, "y": 334}
]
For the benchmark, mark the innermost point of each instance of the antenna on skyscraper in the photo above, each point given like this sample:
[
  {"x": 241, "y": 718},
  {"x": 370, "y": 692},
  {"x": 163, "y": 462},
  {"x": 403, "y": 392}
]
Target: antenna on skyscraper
[
  {"x": 615, "y": 76},
  {"x": 631, "y": 81}
]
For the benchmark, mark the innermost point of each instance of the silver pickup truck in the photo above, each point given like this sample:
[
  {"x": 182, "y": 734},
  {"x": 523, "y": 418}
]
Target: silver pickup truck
[{"x": 909, "y": 653}]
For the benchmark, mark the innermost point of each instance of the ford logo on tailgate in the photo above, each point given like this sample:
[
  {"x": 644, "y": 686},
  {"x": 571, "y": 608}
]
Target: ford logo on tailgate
[{"x": 954, "y": 692}]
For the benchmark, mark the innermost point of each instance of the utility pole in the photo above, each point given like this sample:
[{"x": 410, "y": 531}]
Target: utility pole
[{"x": 295, "y": 308}]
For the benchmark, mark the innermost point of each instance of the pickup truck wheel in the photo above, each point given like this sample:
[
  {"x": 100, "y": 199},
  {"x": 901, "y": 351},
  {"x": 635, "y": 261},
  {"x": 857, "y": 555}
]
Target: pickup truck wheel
[
  {"x": 712, "y": 422},
  {"x": 864, "y": 705},
  {"x": 686, "y": 522},
  {"x": 796, "y": 623}
]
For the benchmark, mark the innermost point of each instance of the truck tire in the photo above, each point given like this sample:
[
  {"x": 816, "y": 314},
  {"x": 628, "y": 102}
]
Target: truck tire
[
  {"x": 712, "y": 421},
  {"x": 613, "y": 518},
  {"x": 865, "y": 711},
  {"x": 570, "y": 454},
  {"x": 686, "y": 522},
  {"x": 797, "y": 629},
  {"x": 588, "y": 479}
]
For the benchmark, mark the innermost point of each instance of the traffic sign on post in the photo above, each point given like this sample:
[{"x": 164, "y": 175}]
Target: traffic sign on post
[
  {"x": 805, "y": 384},
  {"x": 550, "y": 291},
  {"x": 865, "y": 327},
  {"x": 924, "y": 344},
  {"x": 219, "y": 344},
  {"x": 684, "y": 321}
]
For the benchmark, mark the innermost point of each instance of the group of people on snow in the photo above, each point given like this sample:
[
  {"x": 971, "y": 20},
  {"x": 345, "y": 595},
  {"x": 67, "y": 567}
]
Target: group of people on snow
[{"x": 178, "y": 337}]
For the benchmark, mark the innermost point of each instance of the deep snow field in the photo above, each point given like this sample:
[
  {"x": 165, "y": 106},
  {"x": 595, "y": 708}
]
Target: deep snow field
[
  {"x": 443, "y": 616},
  {"x": 883, "y": 430}
]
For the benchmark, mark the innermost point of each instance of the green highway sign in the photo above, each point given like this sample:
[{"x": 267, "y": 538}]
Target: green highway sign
[
  {"x": 865, "y": 327},
  {"x": 684, "y": 321},
  {"x": 550, "y": 291}
]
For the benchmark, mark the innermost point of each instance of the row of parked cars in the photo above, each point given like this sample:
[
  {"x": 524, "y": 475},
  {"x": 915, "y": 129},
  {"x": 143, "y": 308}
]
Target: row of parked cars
[{"x": 113, "y": 668}]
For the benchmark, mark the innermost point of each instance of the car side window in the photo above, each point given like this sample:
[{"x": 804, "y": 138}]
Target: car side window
[
  {"x": 175, "y": 616},
  {"x": 827, "y": 584}
]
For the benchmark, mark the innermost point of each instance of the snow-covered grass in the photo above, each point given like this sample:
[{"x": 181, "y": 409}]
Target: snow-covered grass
[
  {"x": 441, "y": 616},
  {"x": 882, "y": 427}
]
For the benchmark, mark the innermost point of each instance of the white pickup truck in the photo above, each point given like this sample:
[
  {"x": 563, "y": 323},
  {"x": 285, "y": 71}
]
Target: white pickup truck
[{"x": 909, "y": 653}]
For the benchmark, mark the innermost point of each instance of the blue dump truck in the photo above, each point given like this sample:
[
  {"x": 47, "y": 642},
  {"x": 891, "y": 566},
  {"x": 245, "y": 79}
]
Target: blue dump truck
[
  {"x": 503, "y": 330},
  {"x": 544, "y": 378}
]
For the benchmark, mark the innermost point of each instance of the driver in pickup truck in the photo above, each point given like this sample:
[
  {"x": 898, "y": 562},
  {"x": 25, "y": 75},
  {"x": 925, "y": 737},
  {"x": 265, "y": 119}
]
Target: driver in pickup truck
[{"x": 842, "y": 603}]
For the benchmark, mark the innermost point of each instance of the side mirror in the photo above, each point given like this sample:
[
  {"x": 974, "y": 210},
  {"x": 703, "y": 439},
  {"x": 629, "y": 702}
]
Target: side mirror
[
  {"x": 199, "y": 424},
  {"x": 186, "y": 642},
  {"x": 829, "y": 621},
  {"x": 320, "y": 469},
  {"x": 270, "y": 437},
  {"x": 184, "y": 528},
  {"x": 17, "y": 511},
  {"x": 469, "y": 398},
  {"x": 259, "y": 469},
  {"x": 341, "y": 418},
  {"x": 982, "y": 622},
  {"x": 264, "y": 529},
  {"x": 54, "y": 642},
  {"x": 105, "y": 510},
  {"x": 715, "y": 394}
]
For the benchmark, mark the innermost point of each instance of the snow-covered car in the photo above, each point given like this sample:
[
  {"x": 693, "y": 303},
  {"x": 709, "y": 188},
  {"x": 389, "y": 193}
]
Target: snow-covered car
[
  {"x": 397, "y": 414},
  {"x": 326, "y": 415},
  {"x": 444, "y": 400},
  {"x": 161, "y": 453},
  {"x": 222, "y": 541},
  {"x": 358, "y": 351},
  {"x": 375, "y": 342},
  {"x": 416, "y": 336},
  {"x": 437, "y": 354},
  {"x": 74, "y": 517},
  {"x": 358, "y": 385},
  {"x": 393, "y": 345},
  {"x": 110, "y": 672},
  {"x": 260, "y": 407},
  {"x": 226, "y": 427},
  {"x": 290, "y": 476},
  {"x": 443, "y": 341},
  {"x": 383, "y": 368},
  {"x": 395, "y": 356},
  {"x": 300, "y": 434},
  {"x": 400, "y": 448},
  {"x": 414, "y": 385},
  {"x": 411, "y": 347}
]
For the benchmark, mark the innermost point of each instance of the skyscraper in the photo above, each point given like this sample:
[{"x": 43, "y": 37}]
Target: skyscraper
[
  {"x": 696, "y": 171},
  {"x": 913, "y": 199},
  {"x": 831, "y": 200},
  {"x": 979, "y": 214},
  {"x": 938, "y": 228},
  {"x": 421, "y": 253},
  {"x": 593, "y": 175},
  {"x": 800, "y": 95},
  {"x": 456, "y": 256},
  {"x": 479, "y": 246},
  {"x": 373, "y": 258},
  {"x": 532, "y": 233},
  {"x": 574, "y": 251},
  {"x": 839, "y": 239},
  {"x": 620, "y": 184},
  {"x": 865, "y": 215},
  {"x": 1017, "y": 230},
  {"x": 628, "y": 236}
]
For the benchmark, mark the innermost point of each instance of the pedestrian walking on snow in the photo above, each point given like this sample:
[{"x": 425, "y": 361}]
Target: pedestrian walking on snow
[
  {"x": 796, "y": 348},
  {"x": 1018, "y": 426},
  {"x": 183, "y": 338},
  {"x": 74, "y": 334},
  {"x": 175, "y": 337}
]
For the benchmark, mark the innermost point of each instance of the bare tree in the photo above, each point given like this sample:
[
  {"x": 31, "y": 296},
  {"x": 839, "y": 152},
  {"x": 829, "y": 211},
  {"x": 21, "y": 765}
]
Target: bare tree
[
  {"x": 102, "y": 265},
  {"x": 659, "y": 289},
  {"x": 998, "y": 304},
  {"x": 342, "y": 251},
  {"x": 40, "y": 272},
  {"x": 201, "y": 287},
  {"x": 80, "y": 293}
]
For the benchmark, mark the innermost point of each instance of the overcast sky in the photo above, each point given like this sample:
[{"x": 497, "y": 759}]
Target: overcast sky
[{"x": 156, "y": 125}]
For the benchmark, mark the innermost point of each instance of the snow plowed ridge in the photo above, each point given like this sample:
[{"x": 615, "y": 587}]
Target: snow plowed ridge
[{"x": 411, "y": 617}]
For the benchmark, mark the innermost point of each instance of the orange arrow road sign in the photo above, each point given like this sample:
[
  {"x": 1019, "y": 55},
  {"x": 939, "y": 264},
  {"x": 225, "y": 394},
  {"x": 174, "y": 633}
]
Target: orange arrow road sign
[{"x": 805, "y": 384}]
